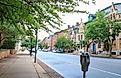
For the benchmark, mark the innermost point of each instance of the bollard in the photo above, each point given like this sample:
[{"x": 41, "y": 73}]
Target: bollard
[{"x": 85, "y": 61}]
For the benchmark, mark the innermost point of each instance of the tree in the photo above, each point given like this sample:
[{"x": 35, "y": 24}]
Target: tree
[
  {"x": 25, "y": 15},
  {"x": 102, "y": 30},
  {"x": 45, "y": 46},
  {"x": 9, "y": 43},
  {"x": 27, "y": 43},
  {"x": 63, "y": 43},
  {"x": 7, "y": 32},
  {"x": 35, "y": 14},
  {"x": 22, "y": 15},
  {"x": 82, "y": 43},
  {"x": 75, "y": 46},
  {"x": 40, "y": 45}
]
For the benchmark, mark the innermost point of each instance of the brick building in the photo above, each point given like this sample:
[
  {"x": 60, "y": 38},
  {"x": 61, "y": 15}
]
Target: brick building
[
  {"x": 74, "y": 33},
  {"x": 51, "y": 40},
  {"x": 77, "y": 34},
  {"x": 112, "y": 12}
]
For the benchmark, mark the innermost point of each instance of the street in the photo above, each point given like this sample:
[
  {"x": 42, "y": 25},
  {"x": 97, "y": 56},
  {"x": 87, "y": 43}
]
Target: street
[{"x": 69, "y": 65}]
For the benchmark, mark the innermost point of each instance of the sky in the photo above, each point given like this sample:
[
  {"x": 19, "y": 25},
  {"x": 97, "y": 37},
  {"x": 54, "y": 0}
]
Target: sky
[{"x": 71, "y": 19}]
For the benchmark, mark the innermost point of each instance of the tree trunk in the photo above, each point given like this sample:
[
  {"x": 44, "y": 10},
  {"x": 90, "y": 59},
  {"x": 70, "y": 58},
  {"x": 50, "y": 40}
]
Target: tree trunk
[
  {"x": 88, "y": 46},
  {"x": 110, "y": 49}
]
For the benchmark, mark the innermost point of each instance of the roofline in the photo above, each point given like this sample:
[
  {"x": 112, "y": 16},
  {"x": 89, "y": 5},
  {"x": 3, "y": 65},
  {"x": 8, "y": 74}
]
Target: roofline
[{"x": 110, "y": 6}]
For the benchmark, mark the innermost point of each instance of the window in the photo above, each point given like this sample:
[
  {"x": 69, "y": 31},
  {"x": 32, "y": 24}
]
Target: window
[
  {"x": 114, "y": 16},
  {"x": 75, "y": 37},
  {"x": 119, "y": 16},
  {"x": 111, "y": 16},
  {"x": 99, "y": 45},
  {"x": 112, "y": 10},
  {"x": 120, "y": 42},
  {"x": 114, "y": 44},
  {"x": 79, "y": 37},
  {"x": 71, "y": 33},
  {"x": 77, "y": 30}
]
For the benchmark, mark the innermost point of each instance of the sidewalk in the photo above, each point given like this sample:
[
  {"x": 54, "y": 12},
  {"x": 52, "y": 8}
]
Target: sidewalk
[{"x": 21, "y": 66}]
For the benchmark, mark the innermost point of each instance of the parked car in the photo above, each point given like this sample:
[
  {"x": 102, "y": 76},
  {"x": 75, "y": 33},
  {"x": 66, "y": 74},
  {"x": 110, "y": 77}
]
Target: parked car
[
  {"x": 53, "y": 50},
  {"x": 45, "y": 50},
  {"x": 59, "y": 51},
  {"x": 33, "y": 49}
]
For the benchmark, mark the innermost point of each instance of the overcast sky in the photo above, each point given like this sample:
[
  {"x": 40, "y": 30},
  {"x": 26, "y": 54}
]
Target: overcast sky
[{"x": 71, "y": 19}]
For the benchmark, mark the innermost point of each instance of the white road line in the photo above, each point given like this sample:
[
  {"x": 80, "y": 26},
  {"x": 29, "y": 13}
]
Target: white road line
[{"x": 106, "y": 72}]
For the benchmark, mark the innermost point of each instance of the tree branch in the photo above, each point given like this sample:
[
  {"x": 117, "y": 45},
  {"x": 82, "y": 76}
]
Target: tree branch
[
  {"x": 5, "y": 38},
  {"x": 7, "y": 4}
]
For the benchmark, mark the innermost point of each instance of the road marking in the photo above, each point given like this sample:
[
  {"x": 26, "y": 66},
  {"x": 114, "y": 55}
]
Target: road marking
[{"x": 106, "y": 71}]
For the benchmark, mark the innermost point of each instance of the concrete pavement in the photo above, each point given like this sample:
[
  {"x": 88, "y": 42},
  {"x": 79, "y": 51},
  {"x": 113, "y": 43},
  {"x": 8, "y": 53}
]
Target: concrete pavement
[{"x": 21, "y": 66}]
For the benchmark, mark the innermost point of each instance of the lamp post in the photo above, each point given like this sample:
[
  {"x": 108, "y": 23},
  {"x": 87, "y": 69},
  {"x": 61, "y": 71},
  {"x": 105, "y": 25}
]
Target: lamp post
[
  {"x": 51, "y": 43},
  {"x": 36, "y": 32},
  {"x": 31, "y": 47}
]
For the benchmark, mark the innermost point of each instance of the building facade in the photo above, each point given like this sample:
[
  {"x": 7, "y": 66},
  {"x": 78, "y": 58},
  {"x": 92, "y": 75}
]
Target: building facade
[
  {"x": 112, "y": 12},
  {"x": 77, "y": 34},
  {"x": 51, "y": 40}
]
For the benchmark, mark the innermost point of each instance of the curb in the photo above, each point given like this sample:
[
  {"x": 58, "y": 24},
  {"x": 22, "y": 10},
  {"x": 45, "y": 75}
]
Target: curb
[
  {"x": 99, "y": 56},
  {"x": 113, "y": 57},
  {"x": 49, "y": 70}
]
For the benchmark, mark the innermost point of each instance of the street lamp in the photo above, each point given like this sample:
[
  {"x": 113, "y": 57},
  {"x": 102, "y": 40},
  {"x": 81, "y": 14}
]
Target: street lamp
[
  {"x": 36, "y": 32},
  {"x": 31, "y": 46}
]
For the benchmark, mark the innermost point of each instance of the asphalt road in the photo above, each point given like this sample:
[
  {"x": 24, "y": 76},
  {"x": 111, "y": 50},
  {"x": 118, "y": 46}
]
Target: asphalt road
[{"x": 69, "y": 65}]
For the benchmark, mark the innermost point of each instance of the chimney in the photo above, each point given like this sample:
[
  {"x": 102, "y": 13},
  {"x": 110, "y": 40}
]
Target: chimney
[
  {"x": 77, "y": 23},
  {"x": 68, "y": 26},
  {"x": 112, "y": 3},
  {"x": 113, "y": 6},
  {"x": 81, "y": 20}
]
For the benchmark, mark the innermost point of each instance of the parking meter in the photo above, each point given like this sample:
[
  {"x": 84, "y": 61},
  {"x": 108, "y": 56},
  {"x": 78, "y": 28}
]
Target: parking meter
[{"x": 85, "y": 61}]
